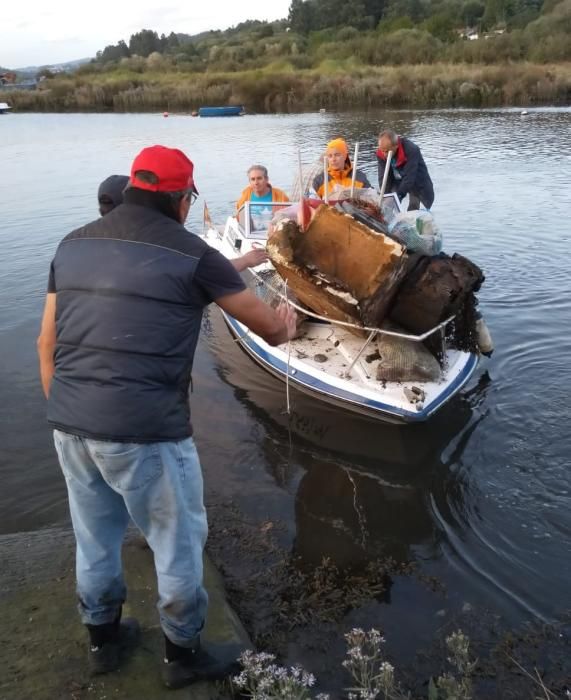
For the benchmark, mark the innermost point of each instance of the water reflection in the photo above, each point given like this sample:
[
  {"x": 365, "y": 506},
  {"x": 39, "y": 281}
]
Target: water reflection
[{"x": 363, "y": 489}]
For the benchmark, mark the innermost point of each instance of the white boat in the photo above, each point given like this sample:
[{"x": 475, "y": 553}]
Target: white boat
[
  {"x": 329, "y": 362},
  {"x": 4, "y": 108}
]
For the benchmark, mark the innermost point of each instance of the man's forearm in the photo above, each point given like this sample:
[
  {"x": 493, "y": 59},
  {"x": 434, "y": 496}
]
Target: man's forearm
[
  {"x": 239, "y": 264},
  {"x": 47, "y": 366}
]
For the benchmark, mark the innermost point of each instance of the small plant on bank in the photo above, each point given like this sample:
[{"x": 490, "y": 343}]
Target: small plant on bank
[
  {"x": 458, "y": 685},
  {"x": 263, "y": 679},
  {"x": 373, "y": 676}
]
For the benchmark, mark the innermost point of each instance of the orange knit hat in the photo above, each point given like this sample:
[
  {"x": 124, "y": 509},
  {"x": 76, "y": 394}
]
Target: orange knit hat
[{"x": 339, "y": 144}]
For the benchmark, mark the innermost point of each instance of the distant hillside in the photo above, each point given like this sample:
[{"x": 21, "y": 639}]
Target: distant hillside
[{"x": 53, "y": 67}]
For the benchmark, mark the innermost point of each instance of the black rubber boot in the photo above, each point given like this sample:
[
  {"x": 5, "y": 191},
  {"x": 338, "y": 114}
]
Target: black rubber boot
[
  {"x": 203, "y": 661},
  {"x": 109, "y": 643}
]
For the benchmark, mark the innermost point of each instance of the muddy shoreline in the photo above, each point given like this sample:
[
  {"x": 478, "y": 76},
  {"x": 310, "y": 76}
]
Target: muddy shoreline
[{"x": 300, "y": 612}]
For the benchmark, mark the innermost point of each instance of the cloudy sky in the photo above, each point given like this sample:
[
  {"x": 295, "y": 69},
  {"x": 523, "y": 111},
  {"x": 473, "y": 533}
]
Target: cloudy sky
[{"x": 37, "y": 33}]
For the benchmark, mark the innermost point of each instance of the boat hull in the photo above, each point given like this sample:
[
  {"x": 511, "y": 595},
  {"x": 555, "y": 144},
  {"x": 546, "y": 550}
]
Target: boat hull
[
  {"x": 325, "y": 391},
  {"x": 233, "y": 111}
]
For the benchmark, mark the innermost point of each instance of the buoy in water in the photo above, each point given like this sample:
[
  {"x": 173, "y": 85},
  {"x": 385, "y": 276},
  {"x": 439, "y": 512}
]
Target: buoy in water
[
  {"x": 165, "y": 114},
  {"x": 322, "y": 110},
  {"x": 484, "y": 338},
  {"x": 524, "y": 112}
]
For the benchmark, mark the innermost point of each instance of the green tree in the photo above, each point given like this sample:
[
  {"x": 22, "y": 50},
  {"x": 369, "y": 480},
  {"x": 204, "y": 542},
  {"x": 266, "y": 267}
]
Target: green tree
[
  {"x": 301, "y": 17},
  {"x": 145, "y": 42},
  {"x": 113, "y": 52},
  {"x": 495, "y": 13},
  {"x": 472, "y": 12},
  {"x": 441, "y": 26}
]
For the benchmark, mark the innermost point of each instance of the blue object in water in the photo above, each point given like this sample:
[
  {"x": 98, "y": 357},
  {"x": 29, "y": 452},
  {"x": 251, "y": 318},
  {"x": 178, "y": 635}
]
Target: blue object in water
[{"x": 221, "y": 111}]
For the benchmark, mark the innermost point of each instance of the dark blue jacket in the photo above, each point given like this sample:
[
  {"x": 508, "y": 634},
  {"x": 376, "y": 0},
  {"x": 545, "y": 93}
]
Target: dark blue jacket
[
  {"x": 412, "y": 169},
  {"x": 128, "y": 315}
]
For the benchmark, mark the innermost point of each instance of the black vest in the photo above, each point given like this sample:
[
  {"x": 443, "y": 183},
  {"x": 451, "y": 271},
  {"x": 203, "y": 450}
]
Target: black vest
[{"x": 128, "y": 318}]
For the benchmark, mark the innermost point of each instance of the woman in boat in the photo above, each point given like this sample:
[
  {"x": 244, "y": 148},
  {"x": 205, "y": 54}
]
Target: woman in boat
[{"x": 339, "y": 170}]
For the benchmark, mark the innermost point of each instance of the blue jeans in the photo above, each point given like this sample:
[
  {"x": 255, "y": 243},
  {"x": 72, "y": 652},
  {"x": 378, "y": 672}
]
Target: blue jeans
[{"x": 158, "y": 485}]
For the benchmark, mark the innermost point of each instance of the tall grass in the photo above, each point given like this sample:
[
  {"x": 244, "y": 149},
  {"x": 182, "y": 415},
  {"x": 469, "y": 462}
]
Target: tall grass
[{"x": 334, "y": 84}]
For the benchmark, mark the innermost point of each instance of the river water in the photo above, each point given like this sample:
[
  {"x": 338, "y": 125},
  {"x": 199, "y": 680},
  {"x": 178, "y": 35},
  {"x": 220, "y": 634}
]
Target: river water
[{"x": 479, "y": 496}]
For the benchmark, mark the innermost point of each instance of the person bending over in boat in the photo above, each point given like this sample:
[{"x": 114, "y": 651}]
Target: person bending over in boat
[
  {"x": 408, "y": 173},
  {"x": 339, "y": 170}
]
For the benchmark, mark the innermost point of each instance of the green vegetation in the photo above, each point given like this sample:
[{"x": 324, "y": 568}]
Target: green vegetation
[
  {"x": 330, "y": 53},
  {"x": 372, "y": 676}
]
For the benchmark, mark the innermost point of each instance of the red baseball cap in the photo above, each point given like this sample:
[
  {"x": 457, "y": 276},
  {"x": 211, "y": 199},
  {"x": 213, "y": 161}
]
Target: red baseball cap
[{"x": 171, "y": 167}]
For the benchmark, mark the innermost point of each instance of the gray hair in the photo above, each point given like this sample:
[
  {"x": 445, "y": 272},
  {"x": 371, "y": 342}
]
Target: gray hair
[
  {"x": 261, "y": 168},
  {"x": 391, "y": 135}
]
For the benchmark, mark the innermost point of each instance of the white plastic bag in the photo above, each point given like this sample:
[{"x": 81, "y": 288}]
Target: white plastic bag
[{"x": 417, "y": 231}]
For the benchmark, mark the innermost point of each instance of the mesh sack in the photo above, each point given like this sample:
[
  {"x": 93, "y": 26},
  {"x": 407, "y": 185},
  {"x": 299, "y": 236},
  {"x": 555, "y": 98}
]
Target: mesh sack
[
  {"x": 417, "y": 231},
  {"x": 403, "y": 360}
]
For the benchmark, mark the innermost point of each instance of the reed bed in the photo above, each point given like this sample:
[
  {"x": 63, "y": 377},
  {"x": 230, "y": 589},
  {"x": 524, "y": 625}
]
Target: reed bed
[{"x": 281, "y": 89}]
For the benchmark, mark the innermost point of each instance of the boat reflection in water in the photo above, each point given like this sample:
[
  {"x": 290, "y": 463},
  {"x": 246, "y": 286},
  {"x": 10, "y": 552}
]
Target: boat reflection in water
[{"x": 363, "y": 489}]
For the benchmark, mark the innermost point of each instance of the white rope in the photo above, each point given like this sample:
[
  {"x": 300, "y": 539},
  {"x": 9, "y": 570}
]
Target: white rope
[
  {"x": 348, "y": 324},
  {"x": 288, "y": 354}
]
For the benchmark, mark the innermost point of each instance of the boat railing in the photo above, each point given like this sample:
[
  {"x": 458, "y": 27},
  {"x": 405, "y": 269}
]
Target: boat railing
[{"x": 283, "y": 296}]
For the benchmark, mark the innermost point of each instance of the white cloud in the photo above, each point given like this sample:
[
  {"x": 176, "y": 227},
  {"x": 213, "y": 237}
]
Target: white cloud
[{"x": 36, "y": 34}]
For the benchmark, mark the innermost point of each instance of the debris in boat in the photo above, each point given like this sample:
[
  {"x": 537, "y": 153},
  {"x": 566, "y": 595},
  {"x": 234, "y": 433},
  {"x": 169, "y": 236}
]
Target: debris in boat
[
  {"x": 370, "y": 274},
  {"x": 344, "y": 295},
  {"x": 404, "y": 360},
  {"x": 435, "y": 289},
  {"x": 367, "y": 213},
  {"x": 417, "y": 231},
  {"x": 414, "y": 395},
  {"x": 320, "y": 357},
  {"x": 372, "y": 357}
]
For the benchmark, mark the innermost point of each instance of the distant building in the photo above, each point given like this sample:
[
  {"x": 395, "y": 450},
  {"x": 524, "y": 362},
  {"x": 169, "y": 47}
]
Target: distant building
[
  {"x": 8, "y": 78},
  {"x": 24, "y": 85}
]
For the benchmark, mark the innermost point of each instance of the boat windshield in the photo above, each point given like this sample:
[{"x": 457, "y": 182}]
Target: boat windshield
[{"x": 254, "y": 218}]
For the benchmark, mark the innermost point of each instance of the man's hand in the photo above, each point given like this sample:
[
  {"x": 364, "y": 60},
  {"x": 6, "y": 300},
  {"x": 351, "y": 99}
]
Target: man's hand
[
  {"x": 253, "y": 258},
  {"x": 289, "y": 318},
  {"x": 275, "y": 326}
]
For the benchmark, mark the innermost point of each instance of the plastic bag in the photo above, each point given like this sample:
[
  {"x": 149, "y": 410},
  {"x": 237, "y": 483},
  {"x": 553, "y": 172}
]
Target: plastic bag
[{"x": 417, "y": 231}]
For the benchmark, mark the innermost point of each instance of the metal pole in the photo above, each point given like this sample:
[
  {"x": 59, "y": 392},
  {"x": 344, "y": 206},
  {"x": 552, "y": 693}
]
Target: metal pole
[
  {"x": 300, "y": 174},
  {"x": 325, "y": 181},
  {"x": 386, "y": 174},
  {"x": 347, "y": 372},
  {"x": 354, "y": 168}
]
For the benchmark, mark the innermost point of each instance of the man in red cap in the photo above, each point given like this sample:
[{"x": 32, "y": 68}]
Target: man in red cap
[{"x": 120, "y": 326}]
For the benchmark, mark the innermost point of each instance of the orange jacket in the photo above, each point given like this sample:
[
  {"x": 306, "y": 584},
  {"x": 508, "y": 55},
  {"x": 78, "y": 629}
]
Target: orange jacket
[
  {"x": 277, "y": 196},
  {"x": 340, "y": 177}
]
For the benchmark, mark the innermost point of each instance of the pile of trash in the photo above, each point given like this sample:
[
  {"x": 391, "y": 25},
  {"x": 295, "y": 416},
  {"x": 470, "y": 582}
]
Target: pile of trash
[{"x": 363, "y": 262}]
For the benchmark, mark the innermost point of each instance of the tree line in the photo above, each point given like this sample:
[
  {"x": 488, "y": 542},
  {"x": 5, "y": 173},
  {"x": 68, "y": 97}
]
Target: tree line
[{"x": 330, "y": 33}]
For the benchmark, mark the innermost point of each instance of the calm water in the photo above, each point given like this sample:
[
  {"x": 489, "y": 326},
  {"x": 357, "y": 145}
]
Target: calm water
[{"x": 480, "y": 496}]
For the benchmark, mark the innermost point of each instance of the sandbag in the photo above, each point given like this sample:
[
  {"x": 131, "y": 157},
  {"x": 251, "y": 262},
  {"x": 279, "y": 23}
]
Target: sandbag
[{"x": 403, "y": 360}]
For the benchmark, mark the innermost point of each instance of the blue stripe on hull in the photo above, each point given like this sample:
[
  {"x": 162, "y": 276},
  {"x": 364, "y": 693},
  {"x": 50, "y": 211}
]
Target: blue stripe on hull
[{"x": 350, "y": 399}]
